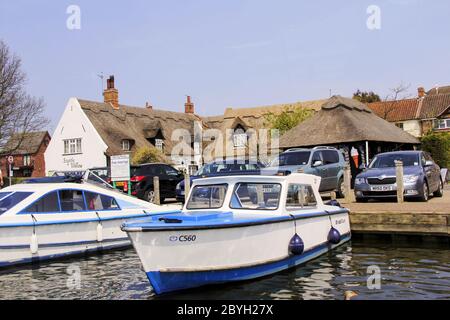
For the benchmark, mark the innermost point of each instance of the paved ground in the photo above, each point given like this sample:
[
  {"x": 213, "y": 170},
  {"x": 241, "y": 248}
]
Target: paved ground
[{"x": 434, "y": 205}]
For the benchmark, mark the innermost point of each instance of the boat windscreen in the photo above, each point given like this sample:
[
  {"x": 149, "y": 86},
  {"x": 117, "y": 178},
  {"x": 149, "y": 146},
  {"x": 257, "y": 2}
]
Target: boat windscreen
[
  {"x": 207, "y": 197},
  {"x": 11, "y": 200}
]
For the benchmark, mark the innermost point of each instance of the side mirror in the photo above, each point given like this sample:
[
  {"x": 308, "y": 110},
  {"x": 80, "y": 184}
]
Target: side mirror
[
  {"x": 362, "y": 166},
  {"x": 317, "y": 163},
  {"x": 428, "y": 163}
]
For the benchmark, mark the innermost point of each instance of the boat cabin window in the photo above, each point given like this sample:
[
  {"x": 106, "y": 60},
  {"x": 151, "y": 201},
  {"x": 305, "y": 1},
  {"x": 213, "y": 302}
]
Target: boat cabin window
[
  {"x": 95, "y": 201},
  {"x": 207, "y": 197},
  {"x": 11, "y": 200},
  {"x": 48, "y": 203},
  {"x": 256, "y": 196},
  {"x": 300, "y": 196},
  {"x": 71, "y": 200},
  {"x": 4, "y": 194}
]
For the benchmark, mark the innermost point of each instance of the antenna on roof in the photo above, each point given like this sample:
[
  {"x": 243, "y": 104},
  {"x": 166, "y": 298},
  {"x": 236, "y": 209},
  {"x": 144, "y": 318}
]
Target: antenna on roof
[{"x": 102, "y": 77}]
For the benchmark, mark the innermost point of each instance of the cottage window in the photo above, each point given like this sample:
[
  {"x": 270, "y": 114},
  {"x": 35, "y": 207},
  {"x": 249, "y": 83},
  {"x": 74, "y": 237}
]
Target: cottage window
[
  {"x": 72, "y": 146},
  {"x": 442, "y": 124},
  {"x": 400, "y": 125},
  {"x": 26, "y": 160},
  {"x": 126, "y": 145},
  {"x": 159, "y": 144}
]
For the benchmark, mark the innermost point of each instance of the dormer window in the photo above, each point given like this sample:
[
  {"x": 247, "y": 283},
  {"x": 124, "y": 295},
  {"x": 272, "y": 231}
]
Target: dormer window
[
  {"x": 239, "y": 137},
  {"x": 159, "y": 144},
  {"x": 126, "y": 145}
]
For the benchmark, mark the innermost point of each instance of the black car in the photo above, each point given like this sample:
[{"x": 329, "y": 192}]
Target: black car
[{"x": 142, "y": 181}]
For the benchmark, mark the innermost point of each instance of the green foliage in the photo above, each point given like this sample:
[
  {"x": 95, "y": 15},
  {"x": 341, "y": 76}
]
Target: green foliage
[
  {"x": 14, "y": 180},
  {"x": 148, "y": 155},
  {"x": 438, "y": 145},
  {"x": 366, "y": 97},
  {"x": 289, "y": 118}
]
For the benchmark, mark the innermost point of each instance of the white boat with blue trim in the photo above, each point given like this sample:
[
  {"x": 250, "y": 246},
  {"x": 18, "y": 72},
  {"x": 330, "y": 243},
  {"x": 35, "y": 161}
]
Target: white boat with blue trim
[
  {"x": 238, "y": 228},
  {"x": 44, "y": 220}
]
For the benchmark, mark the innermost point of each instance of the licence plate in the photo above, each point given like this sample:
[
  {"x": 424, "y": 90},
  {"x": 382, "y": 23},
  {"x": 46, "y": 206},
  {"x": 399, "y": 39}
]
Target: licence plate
[
  {"x": 382, "y": 188},
  {"x": 120, "y": 184}
]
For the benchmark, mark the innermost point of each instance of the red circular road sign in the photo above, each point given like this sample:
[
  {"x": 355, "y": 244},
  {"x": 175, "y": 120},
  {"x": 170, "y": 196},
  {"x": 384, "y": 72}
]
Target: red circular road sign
[{"x": 10, "y": 159}]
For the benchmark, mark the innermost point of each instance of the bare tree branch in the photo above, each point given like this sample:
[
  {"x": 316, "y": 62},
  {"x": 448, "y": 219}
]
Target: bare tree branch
[{"x": 20, "y": 113}]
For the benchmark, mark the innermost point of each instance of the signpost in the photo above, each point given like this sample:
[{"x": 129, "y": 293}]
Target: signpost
[
  {"x": 120, "y": 170},
  {"x": 10, "y": 162}
]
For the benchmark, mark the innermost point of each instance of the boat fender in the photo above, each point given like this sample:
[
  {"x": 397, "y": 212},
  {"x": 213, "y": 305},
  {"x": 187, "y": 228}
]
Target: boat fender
[
  {"x": 99, "y": 229},
  {"x": 334, "y": 236},
  {"x": 296, "y": 245},
  {"x": 99, "y": 232},
  {"x": 34, "y": 246}
]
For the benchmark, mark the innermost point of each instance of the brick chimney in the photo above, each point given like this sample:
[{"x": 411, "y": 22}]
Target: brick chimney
[
  {"x": 111, "y": 94},
  {"x": 189, "y": 106},
  {"x": 421, "y": 92}
]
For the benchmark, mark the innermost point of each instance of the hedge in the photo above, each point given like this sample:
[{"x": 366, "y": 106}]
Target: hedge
[{"x": 438, "y": 145}]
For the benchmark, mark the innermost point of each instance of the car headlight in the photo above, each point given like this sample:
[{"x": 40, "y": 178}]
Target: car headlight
[
  {"x": 178, "y": 187},
  {"x": 410, "y": 178},
  {"x": 360, "y": 180}
]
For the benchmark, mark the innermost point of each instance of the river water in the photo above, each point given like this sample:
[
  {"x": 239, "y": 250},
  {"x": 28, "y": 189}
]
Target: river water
[{"x": 406, "y": 272}]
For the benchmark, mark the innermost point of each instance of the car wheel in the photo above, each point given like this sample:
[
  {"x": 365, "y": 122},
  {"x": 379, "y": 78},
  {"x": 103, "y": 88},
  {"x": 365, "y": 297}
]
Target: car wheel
[
  {"x": 440, "y": 191},
  {"x": 149, "y": 196},
  {"x": 426, "y": 193},
  {"x": 340, "y": 189}
]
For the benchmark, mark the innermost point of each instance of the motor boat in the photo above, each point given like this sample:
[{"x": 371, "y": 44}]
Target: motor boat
[
  {"x": 54, "y": 217},
  {"x": 238, "y": 228}
]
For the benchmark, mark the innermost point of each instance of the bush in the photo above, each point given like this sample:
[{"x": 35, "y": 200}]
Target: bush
[
  {"x": 438, "y": 145},
  {"x": 148, "y": 155},
  {"x": 14, "y": 180},
  {"x": 289, "y": 118}
]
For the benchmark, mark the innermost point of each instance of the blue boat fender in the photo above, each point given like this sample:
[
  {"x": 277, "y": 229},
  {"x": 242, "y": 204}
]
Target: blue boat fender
[
  {"x": 334, "y": 236},
  {"x": 296, "y": 245}
]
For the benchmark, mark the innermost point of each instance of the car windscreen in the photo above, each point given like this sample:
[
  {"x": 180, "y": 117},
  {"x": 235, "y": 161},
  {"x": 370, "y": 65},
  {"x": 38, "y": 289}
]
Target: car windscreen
[
  {"x": 388, "y": 160},
  {"x": 11, "y": 200},
  {"x": 213, "y": 168},
  {"x": 292, "y": 159}
]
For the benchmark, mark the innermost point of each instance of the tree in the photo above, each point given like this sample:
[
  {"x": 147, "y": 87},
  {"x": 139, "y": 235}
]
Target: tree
[
  {"x": 438, "y": 145},
  {"x": 366, "y": 97},
  {"x": 20, "y": 113},
  {"x": 289, "y": 118},
  {"x": 391, "y": 100},
  {"x": 148, "y": 155}
]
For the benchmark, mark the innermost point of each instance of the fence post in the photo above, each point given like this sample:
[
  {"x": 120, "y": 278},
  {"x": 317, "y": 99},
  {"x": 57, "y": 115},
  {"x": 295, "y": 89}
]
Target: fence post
[
  {"x": 156, "y": 195},
  {"x": 348, "y": 184},
  {"x": 187, "y": 185},
  {"x": 399, "y": 179}
]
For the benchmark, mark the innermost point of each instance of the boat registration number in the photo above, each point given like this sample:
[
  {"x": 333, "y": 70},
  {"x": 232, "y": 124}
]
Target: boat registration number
[
  {"x": 183, "y": 238},
  {"x": 382, "y": 188}
]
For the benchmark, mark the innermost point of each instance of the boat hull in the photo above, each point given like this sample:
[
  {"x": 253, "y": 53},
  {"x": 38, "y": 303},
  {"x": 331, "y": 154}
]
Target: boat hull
[
  {"x": 58, "y": 240},
  {"x": 180, "y": 259}
]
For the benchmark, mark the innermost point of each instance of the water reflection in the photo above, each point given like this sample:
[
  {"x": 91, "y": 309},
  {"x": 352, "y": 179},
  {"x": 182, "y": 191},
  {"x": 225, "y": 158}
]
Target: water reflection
[{"x": 406, "y": 273}]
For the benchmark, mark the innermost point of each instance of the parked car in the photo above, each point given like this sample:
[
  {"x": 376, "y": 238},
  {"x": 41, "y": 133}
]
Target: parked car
[
  {"x": 222, "y": 168},
  {"x": 142, "y": 181},
  {"x": 421, "y": 177},
  {"x": 325, "y": 162}
]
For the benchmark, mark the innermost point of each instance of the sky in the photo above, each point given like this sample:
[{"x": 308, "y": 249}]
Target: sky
[{"x": 226, "y": 53}]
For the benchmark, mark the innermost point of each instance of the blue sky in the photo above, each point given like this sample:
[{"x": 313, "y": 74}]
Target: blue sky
[{"x": 225, "y": 53}]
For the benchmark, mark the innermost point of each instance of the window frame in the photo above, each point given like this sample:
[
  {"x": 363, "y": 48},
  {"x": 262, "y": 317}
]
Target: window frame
[
  {"x": 59, "y": 203},
  {"x": 159, "y": 144},
  {"x": 302, "y": 207},
  {"x": 226, "y": 185},
  {"x": 126, "y": 145},
  {"x": 261, "y": 183},
  {"x": 76, "y": 143}
]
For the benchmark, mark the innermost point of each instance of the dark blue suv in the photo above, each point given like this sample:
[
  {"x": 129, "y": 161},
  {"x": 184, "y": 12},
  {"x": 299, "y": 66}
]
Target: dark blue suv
[
  {"x": 222, "y": 168},
  {"x": 421, "y": 177}
]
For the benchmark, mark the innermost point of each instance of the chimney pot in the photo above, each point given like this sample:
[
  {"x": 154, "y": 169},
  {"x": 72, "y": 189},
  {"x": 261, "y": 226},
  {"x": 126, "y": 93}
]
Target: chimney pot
[
  {"x": 421, "y": 92},
  {"x": 111, "y": 94},
  {"x": 189, "y": 106}
]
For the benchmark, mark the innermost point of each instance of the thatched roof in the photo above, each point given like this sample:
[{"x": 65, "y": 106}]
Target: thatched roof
[
  {"x": 135, "y": 124},
  {"x": 343, "y": 120},
  {"x": 25, "y": 143}
]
